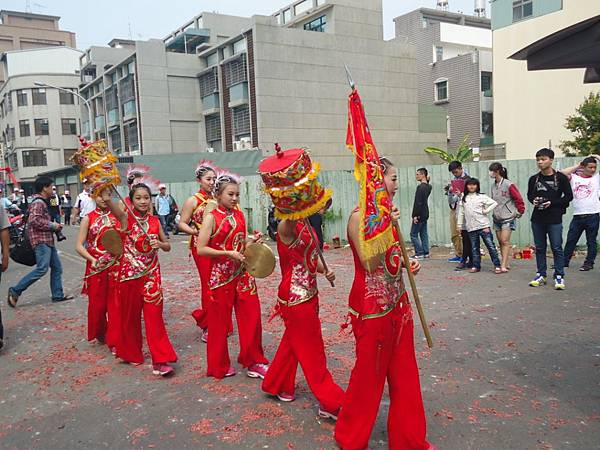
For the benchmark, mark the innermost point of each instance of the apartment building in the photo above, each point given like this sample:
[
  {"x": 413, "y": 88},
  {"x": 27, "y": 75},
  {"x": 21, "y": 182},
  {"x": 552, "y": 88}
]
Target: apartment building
[
  {"x": 39, "y": 123},
  {"x": 454, "y": 67},
  {"x": 531, "y": 107},
  {"x": 25, "y": 31}
]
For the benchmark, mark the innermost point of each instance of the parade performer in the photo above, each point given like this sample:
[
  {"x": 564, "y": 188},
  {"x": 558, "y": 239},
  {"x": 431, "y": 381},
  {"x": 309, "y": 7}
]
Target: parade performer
[
  {"x": 222, "y": 238},
  {"x": 290, "y": 179},
  {"x": 101, "y": 273},
  {"x": 140, "y": 282},
  {"x": 190, "y": 223},
  {"x": 380, "y": 312}
]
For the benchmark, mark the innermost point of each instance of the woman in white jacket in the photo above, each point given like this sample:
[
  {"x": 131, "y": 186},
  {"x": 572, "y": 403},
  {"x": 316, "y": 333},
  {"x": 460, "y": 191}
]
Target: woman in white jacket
[{"x": 474, "y": 214}]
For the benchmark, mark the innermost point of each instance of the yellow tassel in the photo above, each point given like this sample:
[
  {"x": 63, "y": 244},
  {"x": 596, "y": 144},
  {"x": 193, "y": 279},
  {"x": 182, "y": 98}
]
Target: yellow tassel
[{"x": 314, "y": 208}]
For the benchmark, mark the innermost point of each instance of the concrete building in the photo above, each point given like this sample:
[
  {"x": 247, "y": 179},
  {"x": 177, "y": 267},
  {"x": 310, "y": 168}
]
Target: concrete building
[
  {"x": 282, "y": 80},
  {"x": 531, "y": 107},
  {"x": 454, "y": 68},
  {"x": 24, "y": 31},
  {"x": 39, "y": 126},
  {"x": 225, "y": 83}
]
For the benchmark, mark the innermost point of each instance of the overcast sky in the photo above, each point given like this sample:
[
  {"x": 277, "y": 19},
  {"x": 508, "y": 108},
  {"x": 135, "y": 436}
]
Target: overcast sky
[{"x": 97, "y": 22}]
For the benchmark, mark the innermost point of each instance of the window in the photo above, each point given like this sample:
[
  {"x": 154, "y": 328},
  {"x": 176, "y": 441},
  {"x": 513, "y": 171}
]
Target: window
[
  {"x": 129, "y": 108},
  {"x": 441, "y": 90},
  {"x": 278, "y": 18},
  {"x": 10, "y": 133},
  {"x": 212, "y": 59},
  {"x": 486, "y": 81},
  {"x": 439, "y": 54},
  {"x": 21, "y": 97},
  {"x": 239, "y": 46},
  {"x": 522, "y": 9},
  {"x": 24, "y": 128},
  {"x": 287, "y": 15},
  {"x": 316, "y": 25},
  {"x": 8, "y": 96},
  {"x": 41, "y": 127},
  {"x": 301, "y": 7},
  {"x": 13, "y": 161},
  {"x": 115, "y": 139},
  {"x": 241, "y": 121},
  {"x": 126, "y": 88},
  {"x": 132, "y": 137},
  {"x": 131, "y": 67},
  {"x": 67, "y": 155},
  {"x": 235, "y": 71},
  {"x": 38, "y": 96},
  {"x": 66, "y": 98},
  {"x": 487, "y": 123},
  {"x": 34, "y": 158},
  {"x": 213, "y": 128},
  {"x": 208, "y": 83},
  {"x": 69, "y": 127}
]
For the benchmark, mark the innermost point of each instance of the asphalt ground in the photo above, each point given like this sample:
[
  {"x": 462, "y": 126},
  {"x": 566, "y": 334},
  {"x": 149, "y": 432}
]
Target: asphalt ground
[{"x": 512, "y": 367}]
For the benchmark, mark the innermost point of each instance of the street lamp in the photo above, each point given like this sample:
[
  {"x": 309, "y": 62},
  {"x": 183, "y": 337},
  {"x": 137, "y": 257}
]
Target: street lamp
[{"x": 85, "y": 101}]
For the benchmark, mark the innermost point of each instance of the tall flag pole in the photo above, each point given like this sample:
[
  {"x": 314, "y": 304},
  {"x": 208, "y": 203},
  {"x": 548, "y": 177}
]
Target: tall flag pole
[{"x": 376, "y": 225}]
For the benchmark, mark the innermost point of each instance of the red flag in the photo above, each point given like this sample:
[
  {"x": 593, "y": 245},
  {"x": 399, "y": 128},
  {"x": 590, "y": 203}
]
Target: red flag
[{"x": 375, "y": 204}]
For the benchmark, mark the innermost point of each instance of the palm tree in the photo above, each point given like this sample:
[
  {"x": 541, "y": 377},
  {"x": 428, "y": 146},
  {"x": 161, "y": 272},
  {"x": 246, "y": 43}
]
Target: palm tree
[{"x": 463, "y": 153}]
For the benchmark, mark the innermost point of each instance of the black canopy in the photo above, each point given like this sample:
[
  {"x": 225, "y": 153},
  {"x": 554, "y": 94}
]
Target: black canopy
[{"x": 574, "y": 47}]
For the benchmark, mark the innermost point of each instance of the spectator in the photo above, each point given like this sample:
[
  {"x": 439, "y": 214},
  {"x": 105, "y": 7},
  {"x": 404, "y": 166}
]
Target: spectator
[
  {"x": 550, "y": 193},
  {"x": 66, "y": 205},
  {"x": 454, "y": 189},
  {"x": 84, "y": 204},
  {"x": 6, "y": 203},
  {"x": 510, "y": 207},
  {"x": 420, "y": 215},
  {"x": 5, "y": 242},
  {"x": 585, "y": 183},
  {"x": 162, "y": 206},
  {"x": 23, "y": 203},
  {"x": 466, "y": 260},
  {"x": 54, "y": 208},
  {"x": 41, "y": 229},
  {"x": 474, "y": 215}
]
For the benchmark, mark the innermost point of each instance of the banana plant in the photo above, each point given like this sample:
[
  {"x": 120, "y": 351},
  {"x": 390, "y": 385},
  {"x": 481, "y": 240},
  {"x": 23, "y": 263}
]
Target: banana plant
[{"x": 462, "y": 153}]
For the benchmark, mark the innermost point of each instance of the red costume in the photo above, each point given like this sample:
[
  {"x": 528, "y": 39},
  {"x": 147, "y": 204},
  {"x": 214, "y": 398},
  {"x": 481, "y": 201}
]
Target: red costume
[
  {"x": 302, "y": 341},
  {"x": 382, "y": 323},
  {"x": 140, "y": 290},
  {"x": 231, "y": 287},
  {"x": 100, "y": 282},
  {"x": 203, "y": 263}
]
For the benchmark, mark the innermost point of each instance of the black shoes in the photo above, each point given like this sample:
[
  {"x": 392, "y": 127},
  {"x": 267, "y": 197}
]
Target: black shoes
[
  {"x": 586, "y": 267},
  {"x": 62, "y": 299}
]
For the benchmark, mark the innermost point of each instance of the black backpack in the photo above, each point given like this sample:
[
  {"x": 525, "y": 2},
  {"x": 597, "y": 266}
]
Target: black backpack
[{"x": 22, "y": 252}]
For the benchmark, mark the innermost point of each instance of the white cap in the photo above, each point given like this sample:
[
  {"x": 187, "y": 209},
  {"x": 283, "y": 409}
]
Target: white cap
[
  {"x": 67, "y": 192},
  {"x": 162, "y": 186}
]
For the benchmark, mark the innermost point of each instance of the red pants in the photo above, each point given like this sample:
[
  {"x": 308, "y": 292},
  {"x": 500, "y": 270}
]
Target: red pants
[
  {"x": 302, "y": 343},
  {"x": 203, "y": 264},
  {"x": 130, "y": 343},
  {"x": 247, "y": 313},
  {"x": 384, "y": 349},
  {"x": 102, "y": 301}
]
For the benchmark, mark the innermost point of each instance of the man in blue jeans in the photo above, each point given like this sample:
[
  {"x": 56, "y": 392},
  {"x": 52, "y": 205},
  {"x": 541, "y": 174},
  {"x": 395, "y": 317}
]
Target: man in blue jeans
[
  {"x": 40, "y": 231},
  {"x": 420, "y": 215},
  {"x": 585, "y": 183},
  {"x": 163, "y": 207},
  {"x": 550, "y": 193}
]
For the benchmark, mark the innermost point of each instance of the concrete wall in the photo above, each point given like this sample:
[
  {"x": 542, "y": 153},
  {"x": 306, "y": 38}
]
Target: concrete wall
[
  {"x": 530, "y": 108},
  {"x": 48, "y": 60},
  {"x": 302, "y": 92}
]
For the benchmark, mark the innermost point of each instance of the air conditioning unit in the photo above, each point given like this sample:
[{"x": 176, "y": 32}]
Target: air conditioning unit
[
  {"x": 237, "y": 145},
  {"x": 210, "y": 149}
]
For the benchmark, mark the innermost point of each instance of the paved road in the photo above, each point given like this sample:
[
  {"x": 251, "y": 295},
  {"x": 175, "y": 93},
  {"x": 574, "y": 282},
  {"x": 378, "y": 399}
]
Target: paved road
[{"x": 512, "y": 368}]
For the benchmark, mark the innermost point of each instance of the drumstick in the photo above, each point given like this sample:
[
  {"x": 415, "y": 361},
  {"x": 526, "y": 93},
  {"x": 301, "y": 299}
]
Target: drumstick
[{"x": 321, "y": 257}]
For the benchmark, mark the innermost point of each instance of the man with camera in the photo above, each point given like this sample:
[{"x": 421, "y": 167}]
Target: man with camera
[
  {"x": 41, "y": 230},
  {"x": 550, "y": 193}
]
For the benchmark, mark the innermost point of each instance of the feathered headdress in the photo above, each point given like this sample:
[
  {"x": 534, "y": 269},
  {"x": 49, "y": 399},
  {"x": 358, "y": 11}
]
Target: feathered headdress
[
  {"x": 149, "y": 181},
  {"x": 136, "y": 171},
  {"x": 225, "y": 177},
  {"x": 204, "y": 166}
]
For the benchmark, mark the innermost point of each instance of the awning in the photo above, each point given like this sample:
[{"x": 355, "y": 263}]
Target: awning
[
  {"x": 574, "y": 47},
  {"x": 187, "y": 41}
]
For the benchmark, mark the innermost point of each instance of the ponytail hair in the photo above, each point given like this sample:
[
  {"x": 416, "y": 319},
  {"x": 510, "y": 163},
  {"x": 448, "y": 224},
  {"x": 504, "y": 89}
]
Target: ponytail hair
[{"x": 497, "y": 167}]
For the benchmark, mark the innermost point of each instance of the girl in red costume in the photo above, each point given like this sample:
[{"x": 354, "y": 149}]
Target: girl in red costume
[
  {"x": 190, "y": 223},
  {"x": 140, "y": 283},
  {"x": 101, "y": 270},
  {"x": 382, "y": 323},
  {"x": 223, "y": 239},
  {"x": 302, "y": 341}
]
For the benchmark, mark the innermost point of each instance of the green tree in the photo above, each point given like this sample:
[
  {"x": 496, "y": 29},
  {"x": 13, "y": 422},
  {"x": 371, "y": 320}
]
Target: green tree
[
  {"x": 462, "y": 153},
  {"x": 585, "y": 126}
]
